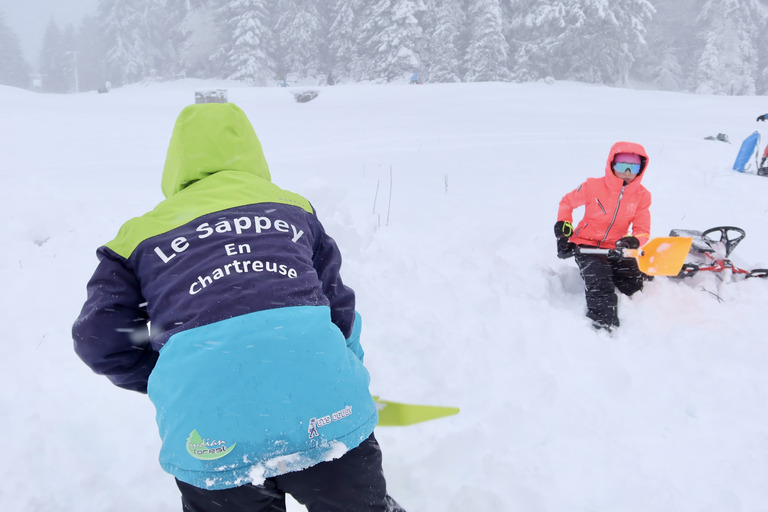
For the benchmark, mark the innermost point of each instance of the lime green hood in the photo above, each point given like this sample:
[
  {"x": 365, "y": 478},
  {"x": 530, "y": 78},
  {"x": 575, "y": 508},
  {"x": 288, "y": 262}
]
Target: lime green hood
[
  {"x": 208, "y": 138},
  {"x": 214, "y": 141}
]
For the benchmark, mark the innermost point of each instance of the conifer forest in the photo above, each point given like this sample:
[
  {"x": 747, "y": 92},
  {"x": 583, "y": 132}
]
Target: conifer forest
[{"x": 697, "y": 46}]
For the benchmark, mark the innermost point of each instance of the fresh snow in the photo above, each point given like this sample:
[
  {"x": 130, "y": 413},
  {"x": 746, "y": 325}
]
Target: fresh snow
[{"x": 442, "y": 199}]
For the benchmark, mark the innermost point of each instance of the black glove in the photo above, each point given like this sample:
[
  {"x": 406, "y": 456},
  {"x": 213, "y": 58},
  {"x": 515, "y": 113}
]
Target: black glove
[
  {"x": 762, "y": 117},
  {"x": 565, "y": 249},
  {"x": 628, "y": 242},
  {"x": 563, "y": 230}
]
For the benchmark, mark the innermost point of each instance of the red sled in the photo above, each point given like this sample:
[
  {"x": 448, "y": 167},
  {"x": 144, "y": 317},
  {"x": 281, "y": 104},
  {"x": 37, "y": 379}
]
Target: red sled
[{"x": 711, "y": 254}]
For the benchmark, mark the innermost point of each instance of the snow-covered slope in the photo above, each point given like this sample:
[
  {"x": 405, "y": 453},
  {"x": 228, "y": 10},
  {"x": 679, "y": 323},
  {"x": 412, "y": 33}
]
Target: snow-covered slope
[{"x": 442, "y": 198}]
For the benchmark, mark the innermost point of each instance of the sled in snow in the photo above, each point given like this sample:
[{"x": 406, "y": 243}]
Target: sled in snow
[
  {"x": 711, "y": 253},
  {"x": 747, "y": 150}
]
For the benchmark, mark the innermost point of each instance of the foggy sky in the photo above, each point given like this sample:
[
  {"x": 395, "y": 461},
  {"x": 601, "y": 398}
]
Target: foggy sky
[{"x": 29, "y": 18}]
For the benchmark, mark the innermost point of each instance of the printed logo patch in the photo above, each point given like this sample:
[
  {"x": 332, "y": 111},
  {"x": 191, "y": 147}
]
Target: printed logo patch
[
  {"x": 207, "y": 449},
  {"x": 315, "y": 423}
]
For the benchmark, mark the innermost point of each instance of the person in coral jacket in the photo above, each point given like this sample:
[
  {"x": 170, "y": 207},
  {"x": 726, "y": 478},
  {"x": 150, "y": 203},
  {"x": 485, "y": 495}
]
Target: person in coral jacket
[{"x": 616, "y": 216}]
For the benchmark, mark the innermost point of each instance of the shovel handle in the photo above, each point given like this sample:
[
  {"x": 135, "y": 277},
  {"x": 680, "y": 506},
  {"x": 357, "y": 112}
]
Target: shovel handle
[{"x": 622, "y": 253}]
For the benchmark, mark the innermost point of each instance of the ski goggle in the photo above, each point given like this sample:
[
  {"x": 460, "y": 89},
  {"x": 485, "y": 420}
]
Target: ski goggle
[{"x": 622, "y": 167}]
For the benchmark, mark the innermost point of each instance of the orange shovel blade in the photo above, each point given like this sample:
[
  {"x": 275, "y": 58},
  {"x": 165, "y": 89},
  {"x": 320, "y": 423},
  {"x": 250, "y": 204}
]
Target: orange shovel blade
[{"x": 663, "y": 256}]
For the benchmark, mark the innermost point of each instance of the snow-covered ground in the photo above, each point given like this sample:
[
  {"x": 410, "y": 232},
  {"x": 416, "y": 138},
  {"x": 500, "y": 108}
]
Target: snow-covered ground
[{"x": 442, "y": 199}]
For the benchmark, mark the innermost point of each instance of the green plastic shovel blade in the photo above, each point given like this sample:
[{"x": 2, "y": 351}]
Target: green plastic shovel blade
[{"x": 396, "y": 414}]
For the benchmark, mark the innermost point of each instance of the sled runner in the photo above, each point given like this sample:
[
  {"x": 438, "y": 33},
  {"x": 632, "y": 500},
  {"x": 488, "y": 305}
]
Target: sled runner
[{"x": 710, "y": 252}]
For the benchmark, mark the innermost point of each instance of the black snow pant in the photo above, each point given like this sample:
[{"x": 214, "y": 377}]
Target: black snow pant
[
  {"x": 602, "y": 277},
  {"x": 352, "y": 483}
]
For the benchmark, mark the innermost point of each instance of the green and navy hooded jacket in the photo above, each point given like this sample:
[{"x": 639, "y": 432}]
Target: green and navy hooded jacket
[{"x": 225, "y": 304}]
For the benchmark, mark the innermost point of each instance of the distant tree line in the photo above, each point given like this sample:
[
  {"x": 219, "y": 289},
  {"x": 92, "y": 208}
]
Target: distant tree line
[
  {"x": 14, "y": 69},
  {"x": 704, "y": 46}
]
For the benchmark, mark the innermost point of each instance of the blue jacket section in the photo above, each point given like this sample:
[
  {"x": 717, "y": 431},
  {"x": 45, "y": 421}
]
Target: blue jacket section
[
  {"x": 226, "y": 303},
  {"x": 221, "y": 432}
]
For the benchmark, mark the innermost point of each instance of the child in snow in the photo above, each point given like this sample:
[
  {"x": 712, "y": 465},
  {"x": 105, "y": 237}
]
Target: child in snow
[
  {"x": 225, "y": 305},
  {"x": 612, "y": 204}
]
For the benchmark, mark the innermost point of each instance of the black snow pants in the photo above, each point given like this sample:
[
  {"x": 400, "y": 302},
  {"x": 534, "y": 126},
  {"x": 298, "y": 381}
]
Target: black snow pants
[
  {"x": 602, "y": 277},
  {"x": 352, "y": 483}
]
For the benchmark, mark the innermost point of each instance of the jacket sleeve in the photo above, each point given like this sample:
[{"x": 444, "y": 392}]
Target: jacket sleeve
[
  {"x": 111, "y": 334},
  {"x": 570, "y": 202},
  {"x": 353, "y": 341},
  {"x": 641, "y": 224},
  {"x": 327, "y": 263}
]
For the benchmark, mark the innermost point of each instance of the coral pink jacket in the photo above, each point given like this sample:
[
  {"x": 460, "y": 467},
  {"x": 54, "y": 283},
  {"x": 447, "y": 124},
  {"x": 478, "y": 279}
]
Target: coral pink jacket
[{"x": 610, "y": 206}]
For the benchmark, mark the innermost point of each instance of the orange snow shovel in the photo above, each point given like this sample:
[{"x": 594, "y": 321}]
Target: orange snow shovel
[{"x": 663, "y": 256}]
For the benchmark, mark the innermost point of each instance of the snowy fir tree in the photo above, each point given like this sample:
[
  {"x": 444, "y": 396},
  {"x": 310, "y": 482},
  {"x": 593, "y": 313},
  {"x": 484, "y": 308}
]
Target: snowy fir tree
[
  {"x": 623, "y": 31},
  {"x": 730, "y": 30},
  {"x": 91, "y": 55},
  {"x": 135, "y": 39},
  {"x": 541, "y": 29},
  {"x": 584, "y": 40},
  {"x": 667, "y": 59},
  {"x": 57, "y": 60},
  {"x": 71, "y": 59},
  {"x": 342, "y": 37},
  {"x": 487, "y": 53},
  {"x": 199, "y": 38},
  {"x": 14, "y": 69},
  {"x": 165, "y": 25},
  {"x": 202, "y": 38},
  {"x": 249, "y": 53},
  {"x": 301, "y": 31},
  {"x": 445, "y": 40},
  {"x": 391, "y": 40},
  {"x": 668, "y": 74}
]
